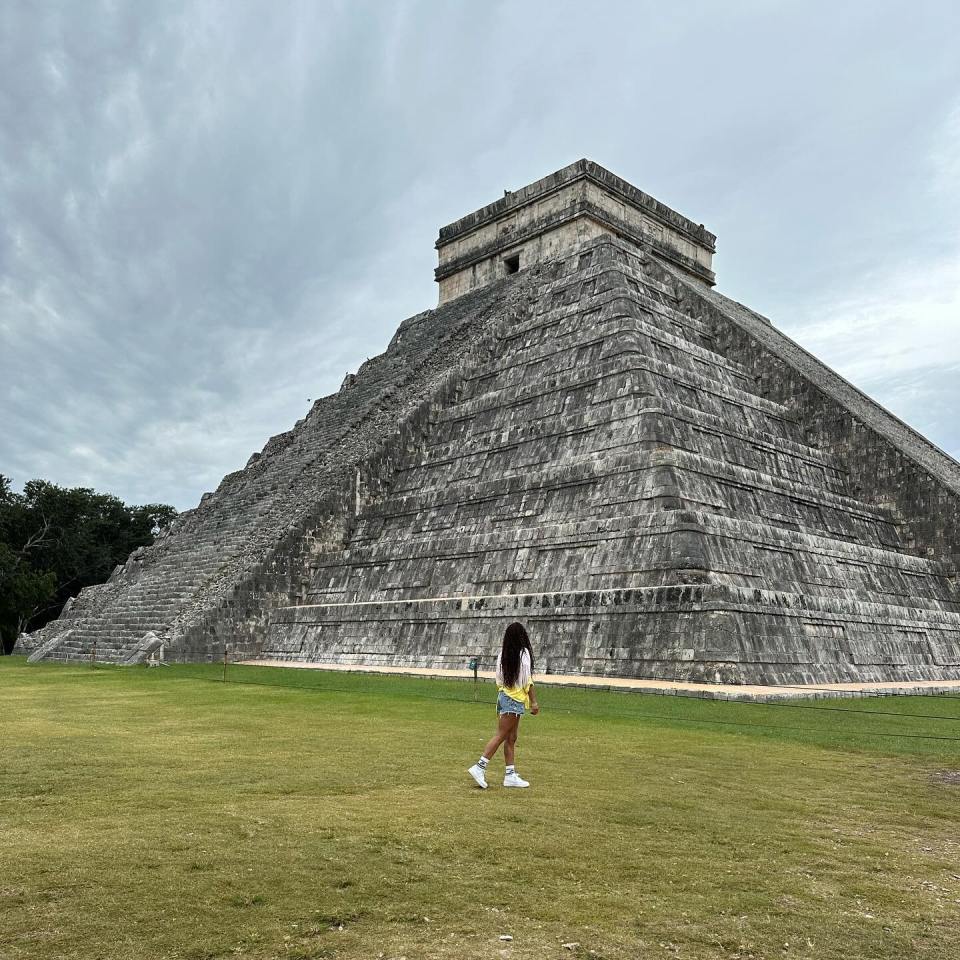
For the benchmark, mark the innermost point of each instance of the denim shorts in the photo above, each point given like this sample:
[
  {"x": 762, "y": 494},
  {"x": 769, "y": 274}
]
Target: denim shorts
[{"x": 507, "y": 704}]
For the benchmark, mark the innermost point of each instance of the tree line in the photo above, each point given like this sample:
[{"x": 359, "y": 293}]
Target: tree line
[{"x": 54, "y": 541}]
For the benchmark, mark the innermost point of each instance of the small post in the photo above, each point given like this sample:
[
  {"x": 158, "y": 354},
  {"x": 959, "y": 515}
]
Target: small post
[
  {"x": 93, "y": 654},
  {"x": 225, "y": 649},
  {"x": 475, "y": 667}
]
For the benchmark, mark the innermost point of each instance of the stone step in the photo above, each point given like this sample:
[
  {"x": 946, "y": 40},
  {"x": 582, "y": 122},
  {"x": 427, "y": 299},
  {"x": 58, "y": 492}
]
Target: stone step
[
  {"x": 530, "y": 532},
  {"x": 609, "y": 415},
  {"x": 678, "y": 598},
  {"x": 611, "y": 369},
  {"x": 645, "y": 479},
  {"x": 560, "y": 351}
]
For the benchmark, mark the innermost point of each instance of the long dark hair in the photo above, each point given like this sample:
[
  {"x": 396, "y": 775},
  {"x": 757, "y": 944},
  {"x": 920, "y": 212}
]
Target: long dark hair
[{"x": 515, "y": 641}]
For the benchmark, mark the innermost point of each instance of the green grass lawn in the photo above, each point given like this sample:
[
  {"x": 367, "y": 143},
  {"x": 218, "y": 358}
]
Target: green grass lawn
[{"x": 161, "y": 814}]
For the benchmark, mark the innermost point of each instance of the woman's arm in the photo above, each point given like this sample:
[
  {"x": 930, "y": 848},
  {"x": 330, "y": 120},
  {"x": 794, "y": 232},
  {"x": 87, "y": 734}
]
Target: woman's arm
[{"x": 534, "y": 706}]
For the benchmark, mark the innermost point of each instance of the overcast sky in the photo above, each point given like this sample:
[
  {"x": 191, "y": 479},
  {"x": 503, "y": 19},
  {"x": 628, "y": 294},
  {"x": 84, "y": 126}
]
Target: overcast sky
[{"x": 209, "y": 212}]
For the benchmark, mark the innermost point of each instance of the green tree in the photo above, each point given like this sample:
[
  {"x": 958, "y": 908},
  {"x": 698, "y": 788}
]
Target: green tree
[{"x": 54, "y": 541}]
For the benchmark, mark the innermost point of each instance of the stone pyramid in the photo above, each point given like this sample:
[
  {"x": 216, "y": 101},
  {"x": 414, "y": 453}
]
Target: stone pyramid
[{"x": 586, "y": 436}]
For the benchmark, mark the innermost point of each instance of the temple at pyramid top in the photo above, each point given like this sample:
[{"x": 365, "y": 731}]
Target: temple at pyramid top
[{"x": 551, "y": 216}]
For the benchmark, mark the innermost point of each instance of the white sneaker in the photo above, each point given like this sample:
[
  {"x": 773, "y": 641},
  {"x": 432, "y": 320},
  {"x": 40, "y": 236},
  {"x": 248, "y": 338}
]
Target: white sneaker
[
  {"x": 514, "y": 780},
  {"x": 476, "y": 771}
]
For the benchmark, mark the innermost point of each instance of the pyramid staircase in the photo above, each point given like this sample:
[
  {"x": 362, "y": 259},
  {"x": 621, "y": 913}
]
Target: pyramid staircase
[{"x": 208, "y": 582}]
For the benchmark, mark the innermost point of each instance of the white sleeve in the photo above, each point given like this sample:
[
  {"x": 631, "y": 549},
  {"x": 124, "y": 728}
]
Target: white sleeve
[
  {"x": 499, "y": 671},
  {"x": 525, "y": 677}
]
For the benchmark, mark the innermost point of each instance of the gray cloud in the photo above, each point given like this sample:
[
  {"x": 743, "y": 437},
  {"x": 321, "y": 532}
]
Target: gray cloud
[{"x": 210, "y": 211}]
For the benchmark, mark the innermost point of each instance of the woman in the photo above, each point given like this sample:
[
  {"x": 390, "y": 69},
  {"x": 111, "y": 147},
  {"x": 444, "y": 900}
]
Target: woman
[{"x": 515, "y": 696}]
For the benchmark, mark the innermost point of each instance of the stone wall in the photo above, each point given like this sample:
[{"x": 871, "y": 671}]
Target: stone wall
[{"x": 889, "y": 463}]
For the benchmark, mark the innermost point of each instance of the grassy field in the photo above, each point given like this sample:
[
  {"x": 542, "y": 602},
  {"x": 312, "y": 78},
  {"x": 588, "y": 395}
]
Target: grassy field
[{"x": 162, "y": 814}]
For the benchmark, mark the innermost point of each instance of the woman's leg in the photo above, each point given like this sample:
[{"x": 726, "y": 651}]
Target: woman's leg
[
  {"x": 506, "y": 724},
  {"x": 509, "y": 745}
]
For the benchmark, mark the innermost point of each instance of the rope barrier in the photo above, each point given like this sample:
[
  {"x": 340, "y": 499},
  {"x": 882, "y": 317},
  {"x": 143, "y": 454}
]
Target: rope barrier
[
  {"x": 629, "y": 716},
  {"x": 326, "y": 688},
  {"x": 754, "y": 703},
  {"x": 795, "y": 706}
]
